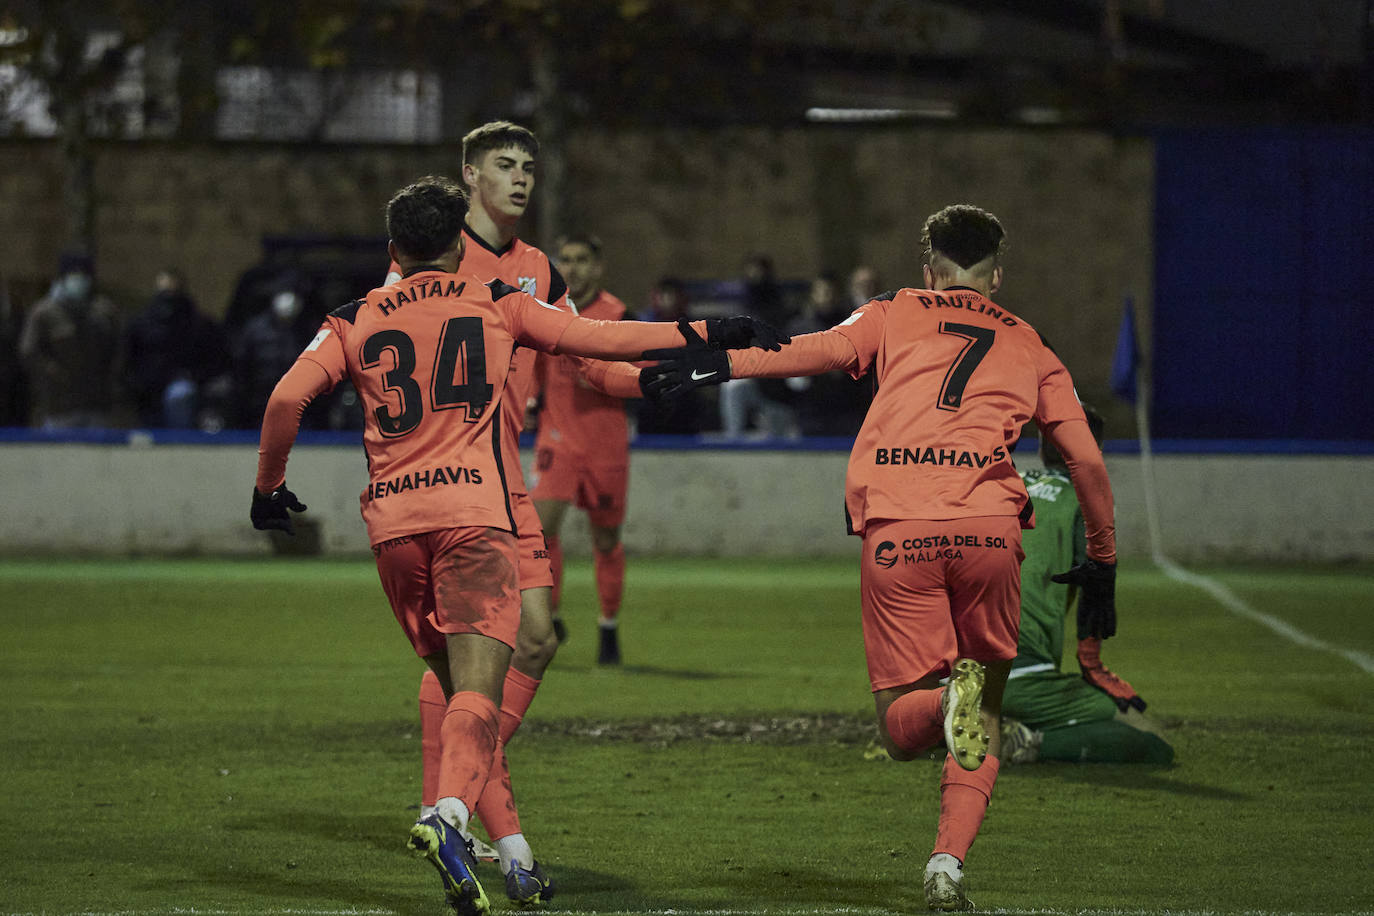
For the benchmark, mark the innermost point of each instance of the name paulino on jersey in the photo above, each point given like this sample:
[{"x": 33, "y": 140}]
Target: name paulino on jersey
[
  {"x": 437, "y": 477},
  {"x": 972, "y": 303}
]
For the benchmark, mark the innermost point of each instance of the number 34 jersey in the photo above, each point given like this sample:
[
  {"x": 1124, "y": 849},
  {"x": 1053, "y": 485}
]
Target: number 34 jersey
[
  {"x": 430, "y": 357},
  {"x": 957, "y": 378}
]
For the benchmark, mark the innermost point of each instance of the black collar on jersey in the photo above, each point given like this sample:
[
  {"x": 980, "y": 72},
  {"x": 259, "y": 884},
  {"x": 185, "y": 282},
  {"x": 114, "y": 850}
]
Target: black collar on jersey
[
  {"x": 965, "y": 288},
  {"x": 467, "y": 230},
  {"x": 420, "y": 268}
]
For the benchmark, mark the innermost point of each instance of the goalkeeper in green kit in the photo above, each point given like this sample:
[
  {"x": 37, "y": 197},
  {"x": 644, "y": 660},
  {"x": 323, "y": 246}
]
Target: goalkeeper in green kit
[{"x": 1049, "y": 714}]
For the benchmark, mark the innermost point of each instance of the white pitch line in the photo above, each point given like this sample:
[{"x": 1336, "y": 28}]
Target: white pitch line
[{"x": 1238, "y": 606}]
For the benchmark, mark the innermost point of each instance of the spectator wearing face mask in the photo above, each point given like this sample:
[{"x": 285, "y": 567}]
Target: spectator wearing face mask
[
  {"x": 70, "y": 348},
  {"x": 266, "y": 347}
]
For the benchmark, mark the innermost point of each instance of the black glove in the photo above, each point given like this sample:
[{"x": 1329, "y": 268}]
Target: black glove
[
  {"x": 739, "y": 332},
  {"x": 1097, "y": 603},
  {"x": 682, "y": 370},
  {"x": 269, "y": 510}
]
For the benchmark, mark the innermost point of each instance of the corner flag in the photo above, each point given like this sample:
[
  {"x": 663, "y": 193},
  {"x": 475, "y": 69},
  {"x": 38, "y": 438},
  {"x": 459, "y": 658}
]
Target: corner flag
[{"x": 1126, "y": 359}]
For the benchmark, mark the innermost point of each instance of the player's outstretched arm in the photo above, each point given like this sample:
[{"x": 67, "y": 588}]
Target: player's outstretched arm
[
  {"x": 617, "y": 379},
  {"x": 806, "y": 354},
  {"x": 1095, "y": 576},
  {"x": 549, "y": 328},
  {"x": 682, "y": 369},
  {"x": 281, "y": 422}
]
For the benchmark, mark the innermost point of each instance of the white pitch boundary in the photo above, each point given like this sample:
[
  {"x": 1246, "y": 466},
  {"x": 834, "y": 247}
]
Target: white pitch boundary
[
  {"x": 1238, "y": 606},
  {"x": 1227, "y": 598}
]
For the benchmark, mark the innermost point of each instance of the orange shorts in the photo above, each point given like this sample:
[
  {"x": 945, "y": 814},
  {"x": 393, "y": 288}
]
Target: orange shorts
[
  {"x": 599, "y": 488},
  {"x": 937, "y": 591},
  {"x": 456, "y": 580},
  {"x": 535, "y": 571}
]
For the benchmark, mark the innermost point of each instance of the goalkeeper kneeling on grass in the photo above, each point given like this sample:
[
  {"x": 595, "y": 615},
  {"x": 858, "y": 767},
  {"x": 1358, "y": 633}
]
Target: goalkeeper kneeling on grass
[{"x": 1049, "y": 714}]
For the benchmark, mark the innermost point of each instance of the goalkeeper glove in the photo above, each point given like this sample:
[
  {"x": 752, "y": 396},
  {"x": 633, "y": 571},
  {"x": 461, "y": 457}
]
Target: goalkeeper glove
[
  {"x": 739, "y": 332},
  {"x": 1097, "y": 603},
  {"x": 1097, "y": 674},
  {"x": 268, "y": 511}
]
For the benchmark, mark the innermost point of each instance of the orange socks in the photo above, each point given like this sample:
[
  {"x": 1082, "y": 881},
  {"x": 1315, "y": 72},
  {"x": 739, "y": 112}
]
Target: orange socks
[
  {"x": 555, "y": 548},
  {"x": 467, "y": 744},
  {"x": 964, "y": 796},
  {"x": 496, "y": 801},
  {"x": 432, "y": 708},
  {"x": 496, "y": 807},
  {"x": 516, "y": 698},
  {"x": 914, "y": 720},
  {"x": 610, "y": 580}
]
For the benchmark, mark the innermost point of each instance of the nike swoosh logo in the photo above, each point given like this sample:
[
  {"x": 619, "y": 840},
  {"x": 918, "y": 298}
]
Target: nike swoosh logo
[{"x": 698, "y": 376}]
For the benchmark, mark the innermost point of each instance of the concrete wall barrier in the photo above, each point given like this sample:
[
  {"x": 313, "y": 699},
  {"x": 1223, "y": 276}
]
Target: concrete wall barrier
[{"x": 169, "y": 499}]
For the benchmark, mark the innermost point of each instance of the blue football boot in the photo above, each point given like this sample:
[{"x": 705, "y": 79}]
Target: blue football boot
[
  {"x": 440, "y": 842},
  {"x": 528, "y": 887}
]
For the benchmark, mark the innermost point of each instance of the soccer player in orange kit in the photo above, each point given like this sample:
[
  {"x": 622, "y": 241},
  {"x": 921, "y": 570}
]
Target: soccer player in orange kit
[
  {"x": 499, "y": 175},
  {"x": 582, "y": 448},
  {"x": 430, "y": 356},
  {"x": 932, "y": 491}
]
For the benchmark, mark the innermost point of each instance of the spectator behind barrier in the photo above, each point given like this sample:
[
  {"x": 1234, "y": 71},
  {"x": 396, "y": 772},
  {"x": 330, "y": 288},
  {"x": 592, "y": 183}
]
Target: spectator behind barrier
[
  {"x": 70, "y": 348},
  {"x": 765, "y": 405},
  {"x": 178, "y": 360},
  {"x": 686, "y": 416},
  {"x": 266, "y": 347}
]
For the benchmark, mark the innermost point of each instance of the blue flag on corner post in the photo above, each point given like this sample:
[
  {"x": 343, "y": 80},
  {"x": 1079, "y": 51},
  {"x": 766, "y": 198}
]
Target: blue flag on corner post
[{"x": 1127, "y": 357}]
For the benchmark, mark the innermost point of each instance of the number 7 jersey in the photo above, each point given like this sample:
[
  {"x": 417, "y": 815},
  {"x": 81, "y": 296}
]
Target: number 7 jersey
[
  {"x": 957, "y": 377},
  {"x": 430, "y": 357}
]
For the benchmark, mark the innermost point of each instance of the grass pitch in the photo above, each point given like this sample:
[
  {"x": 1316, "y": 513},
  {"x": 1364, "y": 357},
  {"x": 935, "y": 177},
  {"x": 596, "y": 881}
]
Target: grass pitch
[{"x": 239, "y": 737}]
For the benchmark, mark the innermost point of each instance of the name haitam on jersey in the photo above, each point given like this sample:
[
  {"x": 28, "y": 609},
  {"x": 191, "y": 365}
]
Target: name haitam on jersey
[
  {"x": 425, "y": 290},
  {"x": 945, "y": 457},
  {"x": 414, "y": 481}
]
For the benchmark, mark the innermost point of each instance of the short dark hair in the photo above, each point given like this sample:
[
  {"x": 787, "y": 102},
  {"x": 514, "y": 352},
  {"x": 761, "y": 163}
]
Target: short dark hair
[
  {"x": 425, "y": 218},
  {"x": 497, "y": 135},
  {"x": 581, "y": 238},
  {"x": 1051, "y": 456},
  {"x": 963, "y": 233}
]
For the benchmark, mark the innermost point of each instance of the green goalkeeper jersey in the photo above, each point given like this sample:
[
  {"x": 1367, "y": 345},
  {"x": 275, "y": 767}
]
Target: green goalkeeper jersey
[{"x": 1056, "y": 543}]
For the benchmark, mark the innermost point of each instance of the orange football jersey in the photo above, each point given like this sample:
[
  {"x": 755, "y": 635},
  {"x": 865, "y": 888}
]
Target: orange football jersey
[
  {"x": 575, "y": 416},
  {"x": 430, "y": 358},
  {"x": 429, "y": 344},
  {"x": 523, "y": 266},
  {"x": 528, "y": 269},
  {"x": 957, "y": 378}
]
